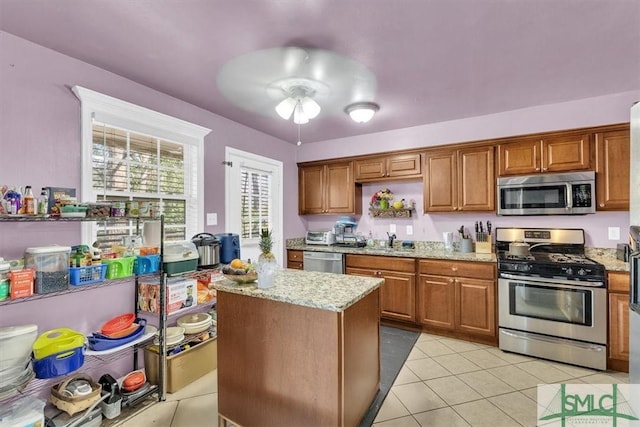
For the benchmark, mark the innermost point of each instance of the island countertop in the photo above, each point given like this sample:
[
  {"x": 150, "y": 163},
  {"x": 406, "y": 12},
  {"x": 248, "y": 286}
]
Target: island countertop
[{"x": 326, "y": 291}]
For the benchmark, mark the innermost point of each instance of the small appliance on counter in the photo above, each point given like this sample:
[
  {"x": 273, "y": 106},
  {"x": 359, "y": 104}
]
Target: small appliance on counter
[
  {"x": 345, "y": 233},
  {"x": 229, "y": 247},
  {"x": 208, "y": 247},
  {"x": 324, "y": 237}
]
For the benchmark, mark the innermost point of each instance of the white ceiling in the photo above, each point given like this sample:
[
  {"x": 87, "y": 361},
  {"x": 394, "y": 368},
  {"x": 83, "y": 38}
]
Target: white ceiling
[{"x": 434, "y": 60}]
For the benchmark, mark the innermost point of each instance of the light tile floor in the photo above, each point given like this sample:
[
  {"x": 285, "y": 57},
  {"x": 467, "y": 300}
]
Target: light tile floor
[{"x": 444, "y": 382}]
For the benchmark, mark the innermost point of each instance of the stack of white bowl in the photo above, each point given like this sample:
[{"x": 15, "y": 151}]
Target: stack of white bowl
[
  {"x": 15, "y": 358},
  {"x": 195, "y": 323}
]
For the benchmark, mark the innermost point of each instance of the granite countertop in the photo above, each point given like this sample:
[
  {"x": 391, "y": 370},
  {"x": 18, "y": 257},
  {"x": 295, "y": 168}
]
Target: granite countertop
[
  {"x": 435, "y": 250},
  {"x": 326, "y": 291},
  {"x": 426, "y": 250}
]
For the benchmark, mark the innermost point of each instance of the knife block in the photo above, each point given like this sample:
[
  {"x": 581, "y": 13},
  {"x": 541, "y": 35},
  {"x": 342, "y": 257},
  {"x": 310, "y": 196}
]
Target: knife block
[{"x": 483, "y": 243}]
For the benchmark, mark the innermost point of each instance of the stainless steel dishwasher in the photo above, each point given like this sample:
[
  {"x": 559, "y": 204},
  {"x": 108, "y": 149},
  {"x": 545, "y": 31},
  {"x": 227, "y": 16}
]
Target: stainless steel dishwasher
[{"x": 327, "y": 262}]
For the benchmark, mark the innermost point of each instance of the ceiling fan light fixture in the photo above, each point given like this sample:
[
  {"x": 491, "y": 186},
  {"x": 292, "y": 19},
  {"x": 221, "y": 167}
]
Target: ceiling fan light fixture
[
  {"x": 362, "y": 112},
  {"x": 310, "y": 107},
  {"x": 299, "y": 115},
  {"x": 286, "y": 107}
]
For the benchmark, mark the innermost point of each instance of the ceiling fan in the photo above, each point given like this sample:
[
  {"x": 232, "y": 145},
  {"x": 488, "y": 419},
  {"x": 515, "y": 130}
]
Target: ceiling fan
[{"x": 297, "y": 82}]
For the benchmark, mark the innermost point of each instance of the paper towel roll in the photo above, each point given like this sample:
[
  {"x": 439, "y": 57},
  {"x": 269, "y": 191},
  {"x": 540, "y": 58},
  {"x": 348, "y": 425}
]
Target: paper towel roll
[{"x": 151, "y": 231}]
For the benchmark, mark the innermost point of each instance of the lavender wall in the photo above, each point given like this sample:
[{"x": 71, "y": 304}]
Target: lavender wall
[
  {"x": 40, "y": 146},
  {"x": 40, "y": 135},
  {"x": 582, "y": 113}
]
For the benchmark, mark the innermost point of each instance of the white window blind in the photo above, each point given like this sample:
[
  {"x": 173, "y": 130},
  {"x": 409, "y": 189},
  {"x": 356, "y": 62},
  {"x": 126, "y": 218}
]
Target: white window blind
[
  {"x": 129, "y": 166},
  {"x": 131, "y": 153},
  {"x": 256, "y": 202}
]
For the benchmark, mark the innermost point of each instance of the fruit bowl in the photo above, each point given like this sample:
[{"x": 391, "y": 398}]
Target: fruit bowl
[{"x": 243, "y": 278}]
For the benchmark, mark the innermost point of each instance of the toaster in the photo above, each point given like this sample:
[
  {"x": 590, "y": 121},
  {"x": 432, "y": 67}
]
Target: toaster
[{"x": 325, "y": 237}]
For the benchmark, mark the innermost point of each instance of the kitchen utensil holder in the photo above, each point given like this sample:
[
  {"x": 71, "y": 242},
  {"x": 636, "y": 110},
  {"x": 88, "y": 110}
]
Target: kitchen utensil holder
[{"x": 483, "y": 243}]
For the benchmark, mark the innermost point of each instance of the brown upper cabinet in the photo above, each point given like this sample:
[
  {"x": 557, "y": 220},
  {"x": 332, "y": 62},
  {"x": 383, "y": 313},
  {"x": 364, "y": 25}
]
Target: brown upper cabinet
[
  {"x": 392, "y": 167},
  {"x": 553, "y": 153},
  {"x": 459, "y": 180},
  {"x": 328, "y": 188},
  {"x": 613, "y": 151}
]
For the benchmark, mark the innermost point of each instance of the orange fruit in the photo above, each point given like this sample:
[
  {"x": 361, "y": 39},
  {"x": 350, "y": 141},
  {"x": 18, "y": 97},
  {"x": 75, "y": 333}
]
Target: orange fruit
[{"x": 237, "y": 263}]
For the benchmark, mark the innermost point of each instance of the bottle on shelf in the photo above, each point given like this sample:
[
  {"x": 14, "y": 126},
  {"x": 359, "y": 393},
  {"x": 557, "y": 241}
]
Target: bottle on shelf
[
  {"x": 29, "y": 201},
  {"x": 370, "y": 241},
  {"x": 43, "y": 202}
]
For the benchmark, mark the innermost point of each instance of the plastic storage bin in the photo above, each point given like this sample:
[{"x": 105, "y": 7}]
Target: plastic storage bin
[
  {"x": 16, "y": 343},
  {"x": 59, "y": 363},
  {"x": 27, "y": 411},
  {"x": 118, "y": 268},
  {"x": 79, "y": 276},
  {"x": 146, "y": 264},
  {"x": 180, "y": 257},
  {"x": 51, "y": 264}
]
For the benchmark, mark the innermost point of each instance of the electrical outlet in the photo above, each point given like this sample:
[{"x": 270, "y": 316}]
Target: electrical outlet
[
  {"x": 614, "y": 233},
  {"x": 392, "y": 228},
  {"x": 212, "y": 219},
  {"x": 409, "y": 230}
]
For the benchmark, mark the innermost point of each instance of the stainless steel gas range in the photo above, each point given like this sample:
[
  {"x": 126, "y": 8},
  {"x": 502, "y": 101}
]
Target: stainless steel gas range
[{"x": 552, "y": 300}]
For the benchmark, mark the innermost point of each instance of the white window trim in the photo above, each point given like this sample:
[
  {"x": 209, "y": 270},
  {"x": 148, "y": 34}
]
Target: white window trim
[{"x": 140, "y": 119}]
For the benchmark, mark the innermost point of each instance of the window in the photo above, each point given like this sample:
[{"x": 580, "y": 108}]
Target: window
[
  {"x": 255, "y": 197},
  {"x": 132, "y": 154},
  {"x": 253, "y": 200}
]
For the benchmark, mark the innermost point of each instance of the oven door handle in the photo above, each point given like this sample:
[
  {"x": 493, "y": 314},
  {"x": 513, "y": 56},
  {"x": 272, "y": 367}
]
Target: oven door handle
[
  {"x": 551, "y": 340},
  {"x": 571, "y": 283}
]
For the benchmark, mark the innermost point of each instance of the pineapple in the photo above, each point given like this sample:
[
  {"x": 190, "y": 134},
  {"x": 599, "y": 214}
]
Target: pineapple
[{"x": 266, "y": 243}]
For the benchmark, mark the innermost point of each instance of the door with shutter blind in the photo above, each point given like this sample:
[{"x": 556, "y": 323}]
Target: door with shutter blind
[{"x": 253, "y": 201}]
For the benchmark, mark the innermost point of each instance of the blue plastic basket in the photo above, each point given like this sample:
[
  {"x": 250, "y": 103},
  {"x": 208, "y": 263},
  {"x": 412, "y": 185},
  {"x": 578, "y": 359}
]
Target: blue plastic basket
[
  {"x": 79, "y": 276},
  {"x": 59, "y": 364},
  {"x": 146, "y": 264}
]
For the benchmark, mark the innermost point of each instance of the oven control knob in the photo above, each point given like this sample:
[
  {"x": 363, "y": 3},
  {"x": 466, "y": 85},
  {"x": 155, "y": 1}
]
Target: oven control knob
[
  {"x": 581, "y": 272},
  {"x": 569, "y": 271},
  {"x": 526, "y": 267}
]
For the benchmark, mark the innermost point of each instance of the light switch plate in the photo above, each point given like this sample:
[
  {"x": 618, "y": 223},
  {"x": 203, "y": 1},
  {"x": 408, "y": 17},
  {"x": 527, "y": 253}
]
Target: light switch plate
[
  {"x": 409, "y": 230},
  {"x": 212, "y": 219},
  {"x": 614, "y": 233},
  {"x": 392, "y": 228}
]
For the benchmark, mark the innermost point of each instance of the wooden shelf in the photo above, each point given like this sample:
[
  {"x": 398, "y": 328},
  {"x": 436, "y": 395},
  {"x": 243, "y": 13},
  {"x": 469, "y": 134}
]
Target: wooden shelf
[{"x": 391, "y": 212}]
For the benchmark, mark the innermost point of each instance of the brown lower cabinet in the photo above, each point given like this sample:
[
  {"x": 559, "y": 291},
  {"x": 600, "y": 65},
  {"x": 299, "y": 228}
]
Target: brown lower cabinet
[
  {"x": 397, "y": 294},
  {"x": 458, "y": 298},
  {"x": 618, "y": 286},
  {"x": 295, "y": 259}
]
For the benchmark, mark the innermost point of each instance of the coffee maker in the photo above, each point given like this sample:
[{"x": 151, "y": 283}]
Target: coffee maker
[{"x": 345, "y": 232}]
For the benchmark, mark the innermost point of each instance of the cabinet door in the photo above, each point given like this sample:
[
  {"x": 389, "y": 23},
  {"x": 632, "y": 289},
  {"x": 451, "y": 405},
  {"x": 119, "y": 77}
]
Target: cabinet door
[
  {"x": 372, "y": 169},
  {"x": 340, "y": 188},
  {"x": 566, "y": 153},
  {"x": 476, "y": 179},
  {"x": 619, "y": 326},
  {"x": 475, "y": 306},
  {"x": 397, "y": 293},
  {"x": 436, "y": 301},
  {"x": 310, "y": 189},
  {"x": 404, "y": 166},
  {"x": 612, "y": 170},
  {"x": 440, "y": 182},
  {"x": 518, "y": 158},
  {"x": 397, "y": 296}
]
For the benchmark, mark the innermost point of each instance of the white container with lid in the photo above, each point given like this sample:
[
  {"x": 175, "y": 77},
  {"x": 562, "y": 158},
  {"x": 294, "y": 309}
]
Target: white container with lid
[
  {"x": 47, "y": 258},
  {"x": 16, "y": 343}
]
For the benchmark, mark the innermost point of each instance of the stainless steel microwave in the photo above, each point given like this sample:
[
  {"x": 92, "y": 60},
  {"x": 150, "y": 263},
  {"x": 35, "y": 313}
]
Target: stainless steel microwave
[{"x": 571, "y": 193}]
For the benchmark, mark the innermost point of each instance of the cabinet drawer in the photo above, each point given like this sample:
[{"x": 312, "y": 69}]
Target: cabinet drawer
[
  {"x": 381, "y": 263},
  {"x": 618, "y": 282},
  {"x": 480, "y": 270},
  {"x": 294, "y": 255}
]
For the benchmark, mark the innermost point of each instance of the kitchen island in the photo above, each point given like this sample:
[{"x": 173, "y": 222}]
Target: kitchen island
[{"x": 304, "y": 352}]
